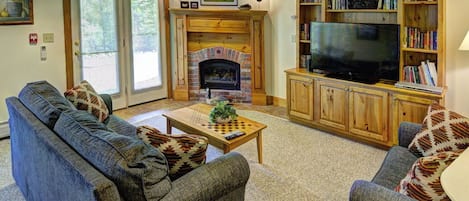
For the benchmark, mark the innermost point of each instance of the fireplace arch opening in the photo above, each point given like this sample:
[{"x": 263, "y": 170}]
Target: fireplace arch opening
[{"x": 219, "y": 74}]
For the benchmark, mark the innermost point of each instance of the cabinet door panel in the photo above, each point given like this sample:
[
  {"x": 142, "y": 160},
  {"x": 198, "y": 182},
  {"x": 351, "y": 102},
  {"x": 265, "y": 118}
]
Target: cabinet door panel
[
  {"x": 412, "y": 111},
  {"x": 333, "y": 105},
  {"x": 301, "y": 97},
  {"x": 369, "y": 113},
  {"x": 408, "y": 108}
]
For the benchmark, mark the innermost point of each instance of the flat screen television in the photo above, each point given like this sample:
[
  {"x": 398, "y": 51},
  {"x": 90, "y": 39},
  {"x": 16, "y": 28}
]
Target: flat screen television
[{"x": 357, "y": 52}]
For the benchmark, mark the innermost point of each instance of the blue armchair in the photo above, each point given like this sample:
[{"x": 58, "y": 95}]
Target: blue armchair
[{"x": 394, "y": 168}]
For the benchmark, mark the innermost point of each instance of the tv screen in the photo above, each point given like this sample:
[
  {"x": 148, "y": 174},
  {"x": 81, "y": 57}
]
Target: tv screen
[{"x": 357, "y": 52}]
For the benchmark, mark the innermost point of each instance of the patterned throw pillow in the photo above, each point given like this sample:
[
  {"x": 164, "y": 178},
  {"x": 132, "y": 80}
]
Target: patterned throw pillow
[
  {"x": 442, "y": 130},
  {"x": 423, "y": 179},
  {"x": 84, "y": 97},
  {"x": 184, "y": 152}
]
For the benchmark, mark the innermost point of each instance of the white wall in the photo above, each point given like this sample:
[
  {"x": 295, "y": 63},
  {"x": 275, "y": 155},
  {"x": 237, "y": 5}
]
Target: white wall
[
  {"x": 283, "y": 49},
  {"x": 457, "y": 62},
  {"x": 20, "y": 63}
]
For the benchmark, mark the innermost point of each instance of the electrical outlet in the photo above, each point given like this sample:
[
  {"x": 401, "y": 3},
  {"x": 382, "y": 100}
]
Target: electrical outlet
[
  {"x": 293, "y": 38},
  {"x": 48, "y": 37}
]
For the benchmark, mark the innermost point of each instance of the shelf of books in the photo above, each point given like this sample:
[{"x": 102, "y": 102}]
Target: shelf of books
[
  {"x": 422, "y": 77},
  {"x": 362, "y": 11},
  {"x": 308, "y": 11},
  {"x": 422, "y": 46},
  {"x": 361, "y": 5}
]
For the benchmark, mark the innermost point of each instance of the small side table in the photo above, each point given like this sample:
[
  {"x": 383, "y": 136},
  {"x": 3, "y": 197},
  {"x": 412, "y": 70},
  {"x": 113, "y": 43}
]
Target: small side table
[{"x": 455, "y": 178}]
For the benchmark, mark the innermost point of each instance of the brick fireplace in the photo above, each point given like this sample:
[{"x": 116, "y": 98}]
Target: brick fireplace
[
  {"x": 243, "y": 60},
  {"x": 231, "y": 37}
]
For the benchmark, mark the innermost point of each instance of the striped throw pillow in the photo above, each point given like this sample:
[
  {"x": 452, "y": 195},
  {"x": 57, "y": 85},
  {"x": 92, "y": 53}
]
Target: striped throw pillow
[
  {"x": 84, "y": 97},
  {"x": 442, "y": 130},
  {"x": 422, "y": 182},
  {"x": 184, "y": 152}
]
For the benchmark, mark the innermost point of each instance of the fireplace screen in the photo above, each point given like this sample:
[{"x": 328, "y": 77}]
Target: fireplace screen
[{"x": 219, "y": 74}]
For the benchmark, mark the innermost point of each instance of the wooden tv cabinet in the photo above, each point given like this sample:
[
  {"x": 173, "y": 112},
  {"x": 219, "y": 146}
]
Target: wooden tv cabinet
[{"x": 369, "y": 113}]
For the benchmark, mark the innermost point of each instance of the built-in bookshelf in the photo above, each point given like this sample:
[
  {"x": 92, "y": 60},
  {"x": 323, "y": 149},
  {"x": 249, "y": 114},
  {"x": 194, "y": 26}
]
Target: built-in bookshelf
[
  {"x": 422, "y": 27},
  {"x": 338, "y": 106},
  {"x": 307, "y": 10},
  {"x": 362, "y": 4},
  {"x": 422, "y": 40},
  {"x": 355, "y": 11}
]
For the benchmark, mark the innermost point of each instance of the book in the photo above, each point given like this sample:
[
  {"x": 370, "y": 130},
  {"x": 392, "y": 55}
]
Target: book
[
  {"x": 433, "y": 72},
  {"x": 380, "y": 4},
  {"x": 428, "y": 77},
  {"x": 423, "y": 79},
  {"x": 416, "y": 74}
]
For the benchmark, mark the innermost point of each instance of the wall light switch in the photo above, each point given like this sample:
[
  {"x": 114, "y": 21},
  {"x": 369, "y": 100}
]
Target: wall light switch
[
  {"x": 293, "y": 38},
  {"x": 43, "y": 53},
  {"x": 48, "y": 37}
]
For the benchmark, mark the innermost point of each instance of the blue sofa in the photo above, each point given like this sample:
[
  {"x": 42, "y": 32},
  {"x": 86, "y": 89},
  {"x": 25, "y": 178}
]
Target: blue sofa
[
  {"x": 394, "y": 168},
  {"x": 60, "y": 153}
]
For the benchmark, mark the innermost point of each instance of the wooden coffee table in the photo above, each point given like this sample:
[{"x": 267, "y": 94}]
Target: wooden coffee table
[{"x": 194, "y": 120}]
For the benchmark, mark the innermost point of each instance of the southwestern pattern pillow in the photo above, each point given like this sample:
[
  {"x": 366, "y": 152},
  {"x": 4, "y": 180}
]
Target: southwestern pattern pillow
[
  {"x": 84, "y": 97},
  {"x": 184, "y": 152},
  {"x": 423, "y": 179},
  {"x": 442, "y": 130}
]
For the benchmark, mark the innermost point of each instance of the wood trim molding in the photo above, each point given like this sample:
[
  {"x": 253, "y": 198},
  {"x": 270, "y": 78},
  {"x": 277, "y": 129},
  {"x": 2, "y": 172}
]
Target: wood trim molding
[
  {"x": 167, "y": 19},
  {"x": 68, "y": 43},
  {"x": 277, "y": 101}
]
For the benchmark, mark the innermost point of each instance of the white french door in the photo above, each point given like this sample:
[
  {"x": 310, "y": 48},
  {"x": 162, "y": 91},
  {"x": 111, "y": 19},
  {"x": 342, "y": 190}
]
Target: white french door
[{"x": 117, "y": 46}]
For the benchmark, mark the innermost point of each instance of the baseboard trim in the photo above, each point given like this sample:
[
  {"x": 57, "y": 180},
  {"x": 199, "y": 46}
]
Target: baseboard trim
[
  {"x": 4, "y": 130},
  {"x": 279, "y": 101}
]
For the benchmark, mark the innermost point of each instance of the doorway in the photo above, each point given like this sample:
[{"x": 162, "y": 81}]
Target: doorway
[{"x": 118, "y": 46}]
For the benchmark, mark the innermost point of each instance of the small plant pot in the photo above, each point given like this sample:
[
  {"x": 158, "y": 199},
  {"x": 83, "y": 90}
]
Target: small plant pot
[{"x": 225, "y": 120}]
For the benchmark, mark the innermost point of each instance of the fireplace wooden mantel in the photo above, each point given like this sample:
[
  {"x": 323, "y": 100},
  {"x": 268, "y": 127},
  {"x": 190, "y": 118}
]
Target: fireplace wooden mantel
[{"x": 241, "y": 30}]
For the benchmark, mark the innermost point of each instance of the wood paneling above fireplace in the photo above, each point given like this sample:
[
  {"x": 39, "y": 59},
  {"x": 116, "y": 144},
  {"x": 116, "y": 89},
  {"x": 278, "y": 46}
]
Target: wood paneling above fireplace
[{"x": 239, "y": 30}]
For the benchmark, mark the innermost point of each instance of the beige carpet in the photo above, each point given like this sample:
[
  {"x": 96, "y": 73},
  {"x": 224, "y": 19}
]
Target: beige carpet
[
  {"x": 300, "y": 163},
  {"x": 5, "y": 163}
]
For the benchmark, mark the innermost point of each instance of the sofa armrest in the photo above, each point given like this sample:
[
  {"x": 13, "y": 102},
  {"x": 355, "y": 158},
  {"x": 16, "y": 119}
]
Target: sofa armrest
[
  {"x": 367, "y": 191},
  {"x": 108, "y": 100},
  {"x": 226, "y": 175},
  {"x": 407, "y": 132}
]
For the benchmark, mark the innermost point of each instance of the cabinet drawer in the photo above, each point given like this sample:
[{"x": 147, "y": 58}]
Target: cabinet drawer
[{"x": 217, "y": 25}]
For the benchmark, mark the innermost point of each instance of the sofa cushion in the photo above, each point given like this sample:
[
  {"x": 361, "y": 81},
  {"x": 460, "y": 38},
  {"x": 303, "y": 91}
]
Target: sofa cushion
[
  {"x": 395, "y": 166},
  {"x": 138, "y": 170},
  {"x": 44, "y": 101},
  {"x": 423, "y": 179},
  {"x": 184, "y": 152},
  {"x": 121, "y": 126},
  {"x": 84, "y": 97},
  {"x": 442, "y": 130}
]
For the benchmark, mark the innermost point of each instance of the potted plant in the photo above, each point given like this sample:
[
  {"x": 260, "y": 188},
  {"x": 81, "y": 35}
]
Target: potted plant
[{"x": 222, "y": 113}]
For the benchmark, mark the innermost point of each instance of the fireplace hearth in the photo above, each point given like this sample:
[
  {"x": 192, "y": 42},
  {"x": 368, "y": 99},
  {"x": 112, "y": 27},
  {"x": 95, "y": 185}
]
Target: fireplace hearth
[
  {"x": 232, "y": 35},
  {"x": 219, "y": 74}
]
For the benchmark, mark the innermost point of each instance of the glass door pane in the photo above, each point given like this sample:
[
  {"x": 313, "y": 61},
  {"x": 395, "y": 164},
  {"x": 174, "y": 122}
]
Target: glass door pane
[
  {"x": 99, "y": 45},
  {"x": 146, "y": 55}
]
